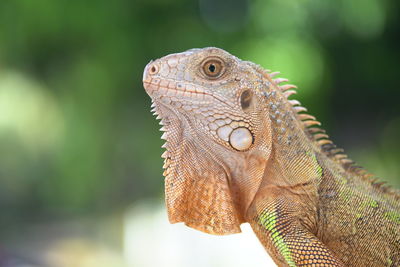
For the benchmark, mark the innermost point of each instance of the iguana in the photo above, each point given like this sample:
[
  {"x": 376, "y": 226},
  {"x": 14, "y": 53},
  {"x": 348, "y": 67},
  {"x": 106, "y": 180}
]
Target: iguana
[{"x": 238, "y": 150}]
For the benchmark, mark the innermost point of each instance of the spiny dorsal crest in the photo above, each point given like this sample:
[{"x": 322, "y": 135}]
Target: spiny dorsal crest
[{"x": 319, "y": 136}]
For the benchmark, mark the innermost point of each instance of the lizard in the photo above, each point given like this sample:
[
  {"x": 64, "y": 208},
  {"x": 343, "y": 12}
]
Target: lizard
[{"x": 239, "y": 149}]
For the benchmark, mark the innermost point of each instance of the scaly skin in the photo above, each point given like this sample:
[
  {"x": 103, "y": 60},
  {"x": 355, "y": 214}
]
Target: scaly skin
[{"x": 239, "y": 151}]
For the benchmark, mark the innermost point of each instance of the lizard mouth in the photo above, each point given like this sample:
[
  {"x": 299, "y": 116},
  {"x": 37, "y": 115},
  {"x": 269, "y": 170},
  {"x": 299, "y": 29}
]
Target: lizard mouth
[
  {"x": 170, "y": 91},
  {"x": 156, "y": 87},
  {"x": 165, "y": 89}
]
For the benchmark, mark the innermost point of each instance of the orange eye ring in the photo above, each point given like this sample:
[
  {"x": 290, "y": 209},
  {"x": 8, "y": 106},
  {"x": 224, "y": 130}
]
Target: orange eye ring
[{"x": 213, "y": 68}]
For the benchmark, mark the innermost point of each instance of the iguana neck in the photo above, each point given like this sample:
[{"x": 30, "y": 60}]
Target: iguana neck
[{"x": 292, "y": 150}]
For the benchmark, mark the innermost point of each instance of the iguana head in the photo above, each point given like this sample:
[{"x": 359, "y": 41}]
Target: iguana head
[{"x": 217, "y": 131}]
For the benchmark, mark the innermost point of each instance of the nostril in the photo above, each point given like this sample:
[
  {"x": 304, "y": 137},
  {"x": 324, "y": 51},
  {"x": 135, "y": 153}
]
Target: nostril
[{"x": 153, "y": 69}]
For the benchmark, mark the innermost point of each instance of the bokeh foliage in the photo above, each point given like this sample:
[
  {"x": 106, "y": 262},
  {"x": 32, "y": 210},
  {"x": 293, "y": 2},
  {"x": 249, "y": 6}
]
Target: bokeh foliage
[{"x": 76, "y": 134}]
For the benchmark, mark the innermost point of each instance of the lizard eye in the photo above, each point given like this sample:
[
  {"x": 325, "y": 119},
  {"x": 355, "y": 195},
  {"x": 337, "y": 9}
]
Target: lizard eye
[{"x": 213, "y": 68}]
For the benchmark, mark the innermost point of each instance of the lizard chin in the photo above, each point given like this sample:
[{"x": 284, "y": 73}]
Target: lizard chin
[
  {"x": 170, "y": 126},
  {"x": 196, "y": 182}
]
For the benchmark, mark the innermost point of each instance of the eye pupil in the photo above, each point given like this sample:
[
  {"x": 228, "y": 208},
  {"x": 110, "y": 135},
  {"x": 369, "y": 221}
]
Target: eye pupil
[{"x": 211, "y": 68}]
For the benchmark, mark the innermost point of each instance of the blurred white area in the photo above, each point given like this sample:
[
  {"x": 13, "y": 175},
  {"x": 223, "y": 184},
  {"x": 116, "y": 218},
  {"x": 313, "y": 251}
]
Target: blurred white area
[
  {"x": 75, "y": 243},
  {"x": 149, "y": 240},
  {"x": 138, "y": 237}
]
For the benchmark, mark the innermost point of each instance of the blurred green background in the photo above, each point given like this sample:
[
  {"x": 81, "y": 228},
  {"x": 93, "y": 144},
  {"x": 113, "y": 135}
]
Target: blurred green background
[{"x": 79, "y": 146}]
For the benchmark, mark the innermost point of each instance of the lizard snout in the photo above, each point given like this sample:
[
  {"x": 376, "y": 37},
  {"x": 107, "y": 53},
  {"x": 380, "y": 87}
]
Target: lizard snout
[{"x": 150, "y": 82}]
